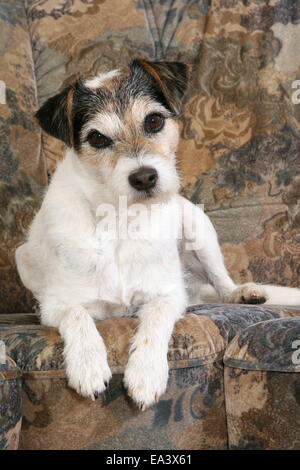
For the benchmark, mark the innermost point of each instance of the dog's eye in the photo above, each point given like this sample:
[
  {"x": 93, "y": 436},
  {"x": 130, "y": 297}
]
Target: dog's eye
[
  {"x": 98, "y": 140},
  {"x": 154, "y": 122}
]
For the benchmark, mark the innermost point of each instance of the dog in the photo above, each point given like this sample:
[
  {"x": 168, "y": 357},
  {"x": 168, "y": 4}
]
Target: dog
[{"x": 121, "y": 133}]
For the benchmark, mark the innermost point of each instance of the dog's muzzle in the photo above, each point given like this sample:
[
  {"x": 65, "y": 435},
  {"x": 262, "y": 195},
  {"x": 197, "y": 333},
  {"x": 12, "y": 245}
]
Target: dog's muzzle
[{"x": 144, "y": 179}]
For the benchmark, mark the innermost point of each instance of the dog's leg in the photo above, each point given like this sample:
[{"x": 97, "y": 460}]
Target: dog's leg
[
  {"x": 146, "y": 374},
  {"x": 248, "y": 293},
  {"x": 203, "y": 257},
  {"x": 29, "y": 273},
  {"x": 84, "y": 352},
  {"x": 201, "y": 251},
  {"x": 251, "y": 293}
]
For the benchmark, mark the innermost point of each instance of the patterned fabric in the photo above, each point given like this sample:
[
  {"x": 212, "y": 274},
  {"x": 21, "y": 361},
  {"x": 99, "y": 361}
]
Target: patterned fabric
[
  {"x": 22, "y": 169},
  {"x": 81, "y": 38},
  {"x": 268, "y": 345},
  {"x": 262, "y": 399},
  {"x": 195, "y": 341},
  {"x": 262, "y": 409},
  {"x": 240, "y": 135},
  {"x": 187, "y": 416},
  {"x": 232, "y": 319},
  {"x": 10, "y": 404},
  {"x": 190, "y": 415},
  {"x": 199, "y": 338},
  {"x": 19, "y": 319}
]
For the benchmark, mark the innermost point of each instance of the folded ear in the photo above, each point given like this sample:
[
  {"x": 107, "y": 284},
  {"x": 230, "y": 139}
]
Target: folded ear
[
  {"x": 169, "y": 79},
  {"x": 55, "y": 116}
]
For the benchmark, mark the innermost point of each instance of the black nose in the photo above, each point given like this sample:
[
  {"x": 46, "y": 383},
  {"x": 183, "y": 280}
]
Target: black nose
[{"x": 143, "y": 179}]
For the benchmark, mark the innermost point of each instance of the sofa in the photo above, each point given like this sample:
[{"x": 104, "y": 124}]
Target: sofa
[{"x": 234, "y": 369}]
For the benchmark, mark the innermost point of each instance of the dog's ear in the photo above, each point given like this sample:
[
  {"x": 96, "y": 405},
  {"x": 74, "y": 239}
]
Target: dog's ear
[
  {"x": 169, "y": 79},
  {"x": 55, "y": 116}
]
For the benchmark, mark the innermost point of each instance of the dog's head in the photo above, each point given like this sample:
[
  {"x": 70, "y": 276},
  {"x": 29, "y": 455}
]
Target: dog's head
[{"x": 122, "y": 127}]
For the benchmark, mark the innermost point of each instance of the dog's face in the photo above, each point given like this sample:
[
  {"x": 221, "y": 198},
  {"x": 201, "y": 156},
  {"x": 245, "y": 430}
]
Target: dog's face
[{"x": 122, "y": 127}]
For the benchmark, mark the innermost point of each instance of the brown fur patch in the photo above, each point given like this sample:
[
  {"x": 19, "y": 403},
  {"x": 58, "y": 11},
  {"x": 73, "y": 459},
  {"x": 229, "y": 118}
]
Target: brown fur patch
[
  {"x": 69, "y": 114},
  {"x": 96, "y": 158},
  {"x": 155, "y": 76}
]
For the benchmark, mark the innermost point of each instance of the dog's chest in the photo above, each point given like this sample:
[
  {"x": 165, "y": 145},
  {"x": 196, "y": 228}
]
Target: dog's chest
[{"x": 133, "y": 270}]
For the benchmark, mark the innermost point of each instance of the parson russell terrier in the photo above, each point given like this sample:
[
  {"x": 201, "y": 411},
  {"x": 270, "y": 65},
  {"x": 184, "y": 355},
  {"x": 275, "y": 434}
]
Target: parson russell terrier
[{"x": 121, "y": 131}]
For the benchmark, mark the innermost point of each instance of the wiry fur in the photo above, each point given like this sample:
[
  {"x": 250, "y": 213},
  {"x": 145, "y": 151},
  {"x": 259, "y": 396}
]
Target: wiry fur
[{"x": 80, "y": 275}]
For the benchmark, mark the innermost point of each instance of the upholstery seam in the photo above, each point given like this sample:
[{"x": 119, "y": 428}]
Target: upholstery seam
[
  {"x": 255, "y": 366},
  {"x": 154, "y": 31},
  {"x": 248, "y": 205},
  {"x": 41, "y": 155}
]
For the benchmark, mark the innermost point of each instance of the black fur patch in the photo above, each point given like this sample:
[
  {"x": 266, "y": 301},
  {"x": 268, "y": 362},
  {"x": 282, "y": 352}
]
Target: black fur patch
[
  {"x": 53, "y": 118},
  {"x": 86, "y": 104},
  {"x": 167, "y": 80}
]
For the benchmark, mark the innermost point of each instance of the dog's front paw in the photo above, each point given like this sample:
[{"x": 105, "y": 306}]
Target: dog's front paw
[
  {"x": 87, "y": 370},
  {"x": 249, "y": 293},
  {"x": 145, "y": 377}
]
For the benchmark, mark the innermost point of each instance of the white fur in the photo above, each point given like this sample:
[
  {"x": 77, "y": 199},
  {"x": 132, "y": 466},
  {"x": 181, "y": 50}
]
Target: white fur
[
  {"x": 78, "y": 274},
  {"x": 99, "y": 80}
]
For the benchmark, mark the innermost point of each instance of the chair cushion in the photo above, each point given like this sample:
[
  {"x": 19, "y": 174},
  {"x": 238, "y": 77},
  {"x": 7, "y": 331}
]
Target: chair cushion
[
  {"x": 267, "y": 345},
  {"x": 262, "y": 386},
  {"x": 190, "y": 415},
  {"x": 55, "y": 416},
  {"x": 199, "y": 337},
  {"x": 38, "y": 348}
]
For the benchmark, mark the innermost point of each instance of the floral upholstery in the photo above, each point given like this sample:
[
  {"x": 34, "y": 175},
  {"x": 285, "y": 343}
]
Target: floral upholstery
[
  {"x": 262, "y": 399},
  {"x": 191, "y": 414},
  {"x": 10, "y": 404}
]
